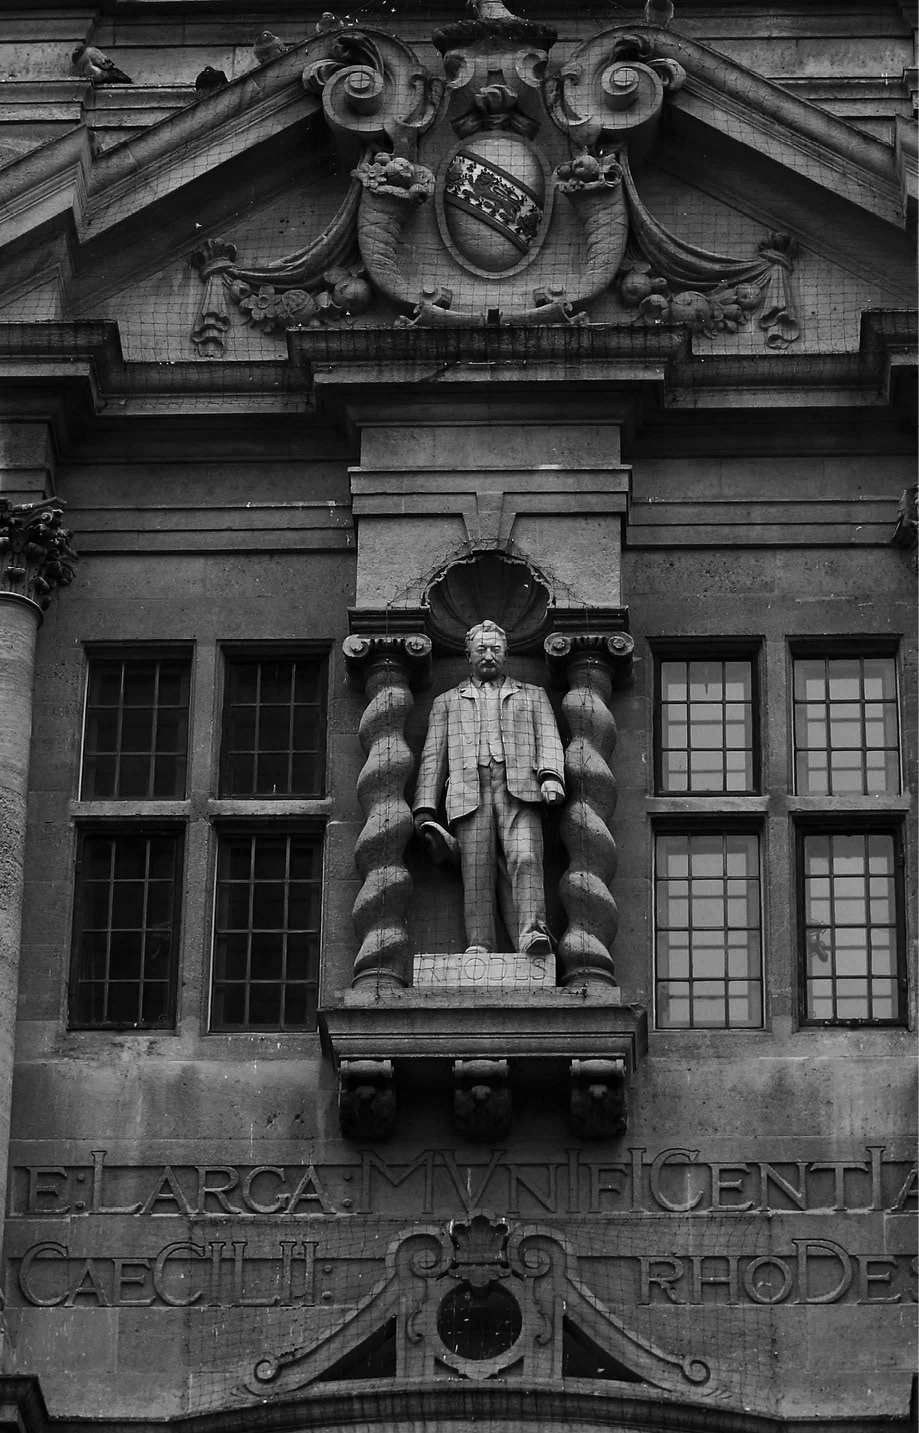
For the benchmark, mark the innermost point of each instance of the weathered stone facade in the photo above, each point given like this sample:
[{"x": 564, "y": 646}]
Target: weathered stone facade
[{"x": 601, "y": 329}]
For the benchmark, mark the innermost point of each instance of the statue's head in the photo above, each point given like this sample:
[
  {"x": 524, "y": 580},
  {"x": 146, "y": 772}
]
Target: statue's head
[{"x": 486, "y": 650}]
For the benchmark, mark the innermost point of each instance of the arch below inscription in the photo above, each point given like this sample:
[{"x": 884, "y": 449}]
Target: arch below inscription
[{"x": 448, "y": 1406}]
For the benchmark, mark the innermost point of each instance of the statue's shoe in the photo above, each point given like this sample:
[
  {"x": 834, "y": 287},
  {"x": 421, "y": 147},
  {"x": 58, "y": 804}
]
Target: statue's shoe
[
  {"x": 537, "y": 943},
  {"x": 443, "y": 847}
]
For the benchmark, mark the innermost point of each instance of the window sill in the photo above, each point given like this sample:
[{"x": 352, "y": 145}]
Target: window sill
[
  {"x": 130, "y": 810},
  {"x": 716, "y": 804},
  {"x": 278, "y": 807}
]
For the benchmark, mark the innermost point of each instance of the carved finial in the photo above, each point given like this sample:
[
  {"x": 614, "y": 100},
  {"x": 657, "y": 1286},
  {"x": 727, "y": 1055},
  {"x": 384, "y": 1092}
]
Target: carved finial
[
  {"x": 658, "y": 12},
  {"x": 35, "y": 551},
  {"x": 211, "y": 256},
  {"x": 490, "y": 10}
]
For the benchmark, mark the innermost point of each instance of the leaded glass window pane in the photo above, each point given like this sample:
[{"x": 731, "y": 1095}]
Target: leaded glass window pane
[
  {"x": 850, "y": 926},
  {"x": 266, "y": 932},
  {"x": 136, "y": 732},
  {"x": 707, "y": 737},
  {"x": 708, "y": 931},
  {"x": 846, "y": 726}
]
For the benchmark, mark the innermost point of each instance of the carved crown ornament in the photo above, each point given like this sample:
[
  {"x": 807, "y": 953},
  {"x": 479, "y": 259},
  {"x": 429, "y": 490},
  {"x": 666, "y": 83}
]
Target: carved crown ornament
[{"x": 499, "y": 191}]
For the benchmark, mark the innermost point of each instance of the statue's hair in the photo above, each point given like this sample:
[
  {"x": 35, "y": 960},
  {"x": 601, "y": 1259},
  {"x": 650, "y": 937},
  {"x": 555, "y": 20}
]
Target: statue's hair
[{"x": 487, "y": 625}]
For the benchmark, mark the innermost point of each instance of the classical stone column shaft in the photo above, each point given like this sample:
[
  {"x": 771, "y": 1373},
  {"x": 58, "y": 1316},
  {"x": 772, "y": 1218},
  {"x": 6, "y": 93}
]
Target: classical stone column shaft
[
  {"x": 587, "y": 661},
  {"x": 19, "y": 620},
  {"x": 35, "y": 556},
  {"x": 387, "y": 667}
]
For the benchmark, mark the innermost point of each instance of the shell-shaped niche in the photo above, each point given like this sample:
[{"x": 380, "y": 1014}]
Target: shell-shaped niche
[{"x": 488, "y": 584}]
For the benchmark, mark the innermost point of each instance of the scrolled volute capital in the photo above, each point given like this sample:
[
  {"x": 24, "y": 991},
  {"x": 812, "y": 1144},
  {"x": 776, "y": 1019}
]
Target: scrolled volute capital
[
  {"x": 408, "y": 653},
  {"x": 610, "y": 650},
  {"x": 36, "y": 555}
]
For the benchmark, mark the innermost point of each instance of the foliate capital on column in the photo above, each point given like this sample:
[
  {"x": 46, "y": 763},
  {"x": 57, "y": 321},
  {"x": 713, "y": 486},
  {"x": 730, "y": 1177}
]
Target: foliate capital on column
[
  {"x": 407, "y": 653},
  {"x": 611, "y": 650},
  {"x": 35, "y": 550}
]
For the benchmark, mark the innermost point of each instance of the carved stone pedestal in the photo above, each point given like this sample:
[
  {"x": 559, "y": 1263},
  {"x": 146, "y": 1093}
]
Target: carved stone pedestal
[{"x": 479, "y": 1044}]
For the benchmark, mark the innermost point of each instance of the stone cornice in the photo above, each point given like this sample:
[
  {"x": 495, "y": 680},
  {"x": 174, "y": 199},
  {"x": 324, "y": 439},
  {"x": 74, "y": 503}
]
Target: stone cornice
[
  {"x": 86, "y": 357},
  {"x": 65, "y": 176},
  {"x": 800, "y": 135}
]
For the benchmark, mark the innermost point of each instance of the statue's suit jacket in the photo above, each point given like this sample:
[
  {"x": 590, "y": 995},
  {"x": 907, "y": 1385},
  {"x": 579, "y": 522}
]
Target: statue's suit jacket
[{"x": 532, "y": 747}]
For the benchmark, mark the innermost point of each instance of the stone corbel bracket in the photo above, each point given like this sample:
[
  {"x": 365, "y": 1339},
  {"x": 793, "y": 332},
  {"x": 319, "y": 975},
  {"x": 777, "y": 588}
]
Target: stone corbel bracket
[
  {"x": 588, "y": 663},
  {"x": 387, "y": 668},
  {"x": 597, "y": 1101},
  {"x": 481, "y": 1099},
  {"x": 474, "y": 1048},
  {"x": 366, "y": 1099}
]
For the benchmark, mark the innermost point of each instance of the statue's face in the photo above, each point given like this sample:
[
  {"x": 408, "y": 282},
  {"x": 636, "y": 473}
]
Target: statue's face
[{"x": 487, "y": 656}]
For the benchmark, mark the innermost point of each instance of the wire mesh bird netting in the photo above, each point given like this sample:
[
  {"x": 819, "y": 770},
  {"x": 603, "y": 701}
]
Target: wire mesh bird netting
[{"x": 215, "y": 264}]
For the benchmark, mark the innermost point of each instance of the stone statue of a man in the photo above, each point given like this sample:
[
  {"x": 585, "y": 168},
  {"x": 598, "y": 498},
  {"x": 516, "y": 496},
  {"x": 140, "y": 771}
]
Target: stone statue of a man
[{"x": 493, "y": 742}]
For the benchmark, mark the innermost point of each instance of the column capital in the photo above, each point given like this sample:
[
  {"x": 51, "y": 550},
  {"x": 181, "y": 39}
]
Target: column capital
[
  {"x": 611, "y": 650},
  {"x": 365, "y": 651},
  {"x": 36, "y": 555}
]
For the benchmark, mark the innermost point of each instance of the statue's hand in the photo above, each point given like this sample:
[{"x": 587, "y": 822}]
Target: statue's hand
[{"x": 553, "y": 792}]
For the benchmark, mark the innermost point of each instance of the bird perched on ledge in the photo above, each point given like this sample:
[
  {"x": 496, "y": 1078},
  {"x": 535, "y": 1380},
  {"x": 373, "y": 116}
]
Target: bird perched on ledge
[
  {"x": 210, "y": 81},
  {"x": 267, "y": 47},
  {"x": 658, "y": 12},
  {"x": 93, "y": 65}
]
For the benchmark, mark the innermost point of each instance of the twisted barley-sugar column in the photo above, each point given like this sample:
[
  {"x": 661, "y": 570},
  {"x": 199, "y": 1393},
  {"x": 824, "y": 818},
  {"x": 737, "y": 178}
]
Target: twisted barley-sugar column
[
  {"x": 387, "y": 668},
  {"x": 588, "y": 662},
  {"x": 35, "y": 556}
]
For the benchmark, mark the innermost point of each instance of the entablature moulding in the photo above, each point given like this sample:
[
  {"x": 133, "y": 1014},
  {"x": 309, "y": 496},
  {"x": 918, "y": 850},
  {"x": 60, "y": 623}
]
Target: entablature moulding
[{"x": 335, "y": 376}]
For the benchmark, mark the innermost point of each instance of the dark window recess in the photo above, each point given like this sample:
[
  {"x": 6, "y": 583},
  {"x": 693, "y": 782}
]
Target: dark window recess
[
  {"x": 126, "y": 930},
  {"x": 274, "y": 728},
  {"x": 845, "y": 726},
  {"x": 479, "y": 1323},
  {"x": 266, "y": 933},
  {"x": 708, "y": 931},
  {"x": 136, "y": 737},
  {"x": 707, "y": 726},
  {"x": 851, "y": 925}
]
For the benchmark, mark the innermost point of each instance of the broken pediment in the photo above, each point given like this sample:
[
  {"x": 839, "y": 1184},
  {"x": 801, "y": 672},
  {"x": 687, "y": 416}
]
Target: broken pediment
[
  {"x": 637, "y": 180},
  {"x": 480, "y": 1299}
]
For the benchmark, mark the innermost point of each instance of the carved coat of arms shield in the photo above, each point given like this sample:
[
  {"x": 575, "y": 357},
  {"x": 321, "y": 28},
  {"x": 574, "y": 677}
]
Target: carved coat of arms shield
[{"x": 493, "y": 200}]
